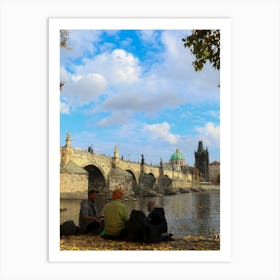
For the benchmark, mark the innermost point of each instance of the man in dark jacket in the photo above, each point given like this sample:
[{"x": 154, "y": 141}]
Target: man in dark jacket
[
  {"x": 157, "y": 224},
  {"x": 89, "y": 221}
]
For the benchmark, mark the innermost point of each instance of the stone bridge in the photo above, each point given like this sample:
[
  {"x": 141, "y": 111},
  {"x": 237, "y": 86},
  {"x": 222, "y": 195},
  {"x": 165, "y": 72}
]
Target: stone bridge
[{"x": 108, "y": 173}]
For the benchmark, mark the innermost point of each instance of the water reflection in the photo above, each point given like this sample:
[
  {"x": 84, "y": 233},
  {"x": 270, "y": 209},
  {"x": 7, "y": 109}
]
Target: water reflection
[{"x": 189, "y": 213}]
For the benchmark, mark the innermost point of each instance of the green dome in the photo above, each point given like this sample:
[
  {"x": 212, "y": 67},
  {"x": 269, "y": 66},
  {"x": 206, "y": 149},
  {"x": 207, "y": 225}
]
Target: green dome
[{"x": 177, "y": 156}]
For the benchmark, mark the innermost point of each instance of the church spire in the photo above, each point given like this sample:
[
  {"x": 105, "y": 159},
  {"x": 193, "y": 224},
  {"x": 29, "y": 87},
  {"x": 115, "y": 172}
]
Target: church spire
[{"x": 200, "y": 147}]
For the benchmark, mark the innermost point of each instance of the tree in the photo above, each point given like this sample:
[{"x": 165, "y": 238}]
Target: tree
[
  {"x": 205, "y": 46},
  {"x": 64, "y": 40}
]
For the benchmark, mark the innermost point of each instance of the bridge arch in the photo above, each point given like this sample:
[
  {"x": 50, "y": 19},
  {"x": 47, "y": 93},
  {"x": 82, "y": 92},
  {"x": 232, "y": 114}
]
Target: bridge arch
[
  {"x": 148, "y": 180},
  {"x": 96, "y": 177},
  {"x": 134, "y": 180}
]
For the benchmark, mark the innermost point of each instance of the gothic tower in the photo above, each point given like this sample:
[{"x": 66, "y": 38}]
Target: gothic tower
[{"x": 202, "y": 162}]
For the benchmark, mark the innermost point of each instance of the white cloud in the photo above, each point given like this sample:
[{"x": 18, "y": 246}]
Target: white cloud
[
  {"x": 112, "y": 32},
  {"x": 214, "y": 114},
  {"x": 176, "y": 61},
  {"x": 164, "y": 85},
  {"x": 81, "y": 90},
  {"x": 64, "y": 108},
  {"x": 117, "y": 66},
  {"x": 170, "y": 40},
  {"x": 90, "y": 79},
  {"x": 176, "y": 66},
  {"x": 125, "y": 66},
  {"x": 161, "y": 132},
  {"x": 126, "y": 43},
  {"x": 116, "y": 118},
  {"x": 140, "y": 97},
  {"x": 149, "y": 36},
  {"x": 106, "y": 47},
  {"x": 128, "y": 90},
  {"x": 64, "y": 75},
  {"x": 210, "y": 134},
  {"x": 81, "y": 43}
]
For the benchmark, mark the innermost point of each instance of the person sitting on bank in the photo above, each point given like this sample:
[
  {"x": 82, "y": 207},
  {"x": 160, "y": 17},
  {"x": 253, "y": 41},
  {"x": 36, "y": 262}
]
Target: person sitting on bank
[
  {"x": 115, "y": 216},
  {"x": 157, "y": 224},
  {"x": 88, "y": 217}
]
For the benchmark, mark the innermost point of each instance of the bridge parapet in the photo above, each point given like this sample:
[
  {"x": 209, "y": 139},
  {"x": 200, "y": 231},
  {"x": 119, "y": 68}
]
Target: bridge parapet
[
  {"x": 132, "y": 176},
  {"x": 104, "y": 163}
]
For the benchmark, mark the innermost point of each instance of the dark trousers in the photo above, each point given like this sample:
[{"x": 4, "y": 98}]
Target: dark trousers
[{"x": 93, "y": 228}]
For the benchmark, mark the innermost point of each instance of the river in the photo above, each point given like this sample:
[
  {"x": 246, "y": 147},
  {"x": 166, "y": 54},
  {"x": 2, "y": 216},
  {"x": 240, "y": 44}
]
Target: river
[{"x": 196, "y": 213}]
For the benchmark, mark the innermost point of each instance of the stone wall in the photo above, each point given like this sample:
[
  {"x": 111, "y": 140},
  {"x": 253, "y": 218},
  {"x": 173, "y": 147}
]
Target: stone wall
[
  {"x": 214, "y": 172},
  {"x": 119, "y": 178},
  {"x": 164, "y": 183},
  {"x": 179, "y": 183},
  {"x": 147, "y": 180},
  {"x": 73, "y": 185}
]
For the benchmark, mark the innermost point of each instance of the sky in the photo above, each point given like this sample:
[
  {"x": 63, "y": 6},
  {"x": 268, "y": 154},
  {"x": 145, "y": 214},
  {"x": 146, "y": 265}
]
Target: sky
[{"x": 137, "y": 89}]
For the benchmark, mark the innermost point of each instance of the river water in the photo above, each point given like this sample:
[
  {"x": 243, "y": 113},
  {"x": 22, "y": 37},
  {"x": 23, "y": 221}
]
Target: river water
[{"x": 196, "y": 213}]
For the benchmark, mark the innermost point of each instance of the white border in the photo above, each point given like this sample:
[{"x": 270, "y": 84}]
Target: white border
[
  {"x": 224, "y": 254},
  {"x": 255, "y": 134}
]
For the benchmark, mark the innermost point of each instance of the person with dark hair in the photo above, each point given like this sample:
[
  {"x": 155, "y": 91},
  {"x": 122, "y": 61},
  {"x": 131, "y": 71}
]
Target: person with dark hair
[{"x": 88, "y": 217}]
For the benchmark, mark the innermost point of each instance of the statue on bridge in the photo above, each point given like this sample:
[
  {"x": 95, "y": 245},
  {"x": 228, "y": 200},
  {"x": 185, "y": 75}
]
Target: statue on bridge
[{"x": 142, "y": 159}]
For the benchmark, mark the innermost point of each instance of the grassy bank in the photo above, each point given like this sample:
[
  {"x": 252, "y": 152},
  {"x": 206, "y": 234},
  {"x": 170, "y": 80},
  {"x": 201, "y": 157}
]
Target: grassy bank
[{"x": 97, "y": 243}]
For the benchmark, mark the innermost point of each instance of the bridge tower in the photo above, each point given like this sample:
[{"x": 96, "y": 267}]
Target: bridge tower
[
  {"x": 202, "y": 162},
  {"x": 66, "y": 151}
]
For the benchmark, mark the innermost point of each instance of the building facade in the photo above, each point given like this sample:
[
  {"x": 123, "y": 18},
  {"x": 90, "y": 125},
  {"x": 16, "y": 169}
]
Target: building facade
[{"x": 214, "y": 172}]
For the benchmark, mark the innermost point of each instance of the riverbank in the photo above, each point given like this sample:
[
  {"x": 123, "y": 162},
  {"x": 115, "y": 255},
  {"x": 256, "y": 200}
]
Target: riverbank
[
  {"x": 198, "y": 187},
  {"x": 96, "y": 243},
  {"x": 209, "y": 187}
]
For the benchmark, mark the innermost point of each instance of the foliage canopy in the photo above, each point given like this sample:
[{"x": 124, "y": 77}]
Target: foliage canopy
[
  {"x": 205, "y": 46},
  {"x": 64, "y": 37}
]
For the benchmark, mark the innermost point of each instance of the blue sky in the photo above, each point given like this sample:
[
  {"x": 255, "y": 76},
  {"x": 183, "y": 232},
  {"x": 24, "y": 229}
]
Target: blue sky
[{"x": 137, "y": 89}]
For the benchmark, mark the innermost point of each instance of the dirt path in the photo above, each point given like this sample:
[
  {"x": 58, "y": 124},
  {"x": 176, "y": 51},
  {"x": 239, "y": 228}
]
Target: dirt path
[{"x": 97, "y": 243}]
